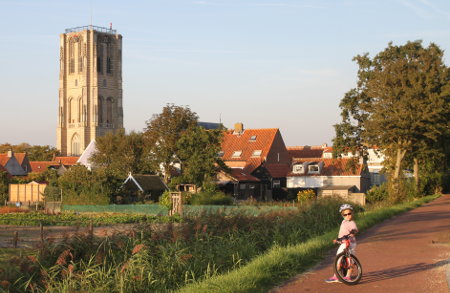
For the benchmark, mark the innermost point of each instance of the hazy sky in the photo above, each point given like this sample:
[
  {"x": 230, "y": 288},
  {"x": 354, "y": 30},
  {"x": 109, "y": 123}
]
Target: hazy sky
[{"x": 267, "y": 63}]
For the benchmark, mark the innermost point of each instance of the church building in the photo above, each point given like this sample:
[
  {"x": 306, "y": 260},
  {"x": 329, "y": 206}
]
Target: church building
[{"x": 90, "y": 87}]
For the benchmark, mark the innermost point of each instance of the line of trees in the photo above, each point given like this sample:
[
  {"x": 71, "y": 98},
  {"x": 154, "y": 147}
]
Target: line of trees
[{"x": 401, "y": 104}]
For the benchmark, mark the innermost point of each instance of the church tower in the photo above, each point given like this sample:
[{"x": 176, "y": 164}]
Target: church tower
[{"x": 90, "y": 87}]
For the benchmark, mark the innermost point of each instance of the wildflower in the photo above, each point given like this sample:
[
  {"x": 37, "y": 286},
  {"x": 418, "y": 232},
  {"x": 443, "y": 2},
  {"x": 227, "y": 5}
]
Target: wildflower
[
  {"x": 137, "y": 248},
  {"x": 62, "y": 258},
  {"x": 5, "y": 284},
  {"x": 32, "y": 258},
  {"x": 186, "y": 256},
  {"x": 204, "y": 228},
  {"x": 124, "y": 267}
]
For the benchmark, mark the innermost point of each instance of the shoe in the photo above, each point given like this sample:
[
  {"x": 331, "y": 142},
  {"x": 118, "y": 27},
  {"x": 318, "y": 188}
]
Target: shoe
[
  {"x": 332, "y": 280},
  {"x": 347, "y": 279}
]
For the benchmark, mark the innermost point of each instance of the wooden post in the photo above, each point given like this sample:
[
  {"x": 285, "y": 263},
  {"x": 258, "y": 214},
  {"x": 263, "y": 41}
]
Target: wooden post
[
  {"x": 15, "y": 239},
  {"x": 91, "y": 229}
]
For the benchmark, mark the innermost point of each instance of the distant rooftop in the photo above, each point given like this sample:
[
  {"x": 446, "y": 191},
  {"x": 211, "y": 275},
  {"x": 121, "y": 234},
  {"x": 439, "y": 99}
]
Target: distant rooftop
[{"x": 91, "y": 27}]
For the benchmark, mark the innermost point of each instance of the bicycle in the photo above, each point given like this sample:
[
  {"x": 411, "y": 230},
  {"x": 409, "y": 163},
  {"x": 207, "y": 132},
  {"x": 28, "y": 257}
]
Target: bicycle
[{"x": 347, "y": 267}]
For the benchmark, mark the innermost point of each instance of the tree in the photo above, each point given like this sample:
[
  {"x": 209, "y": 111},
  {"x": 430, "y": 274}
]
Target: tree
[
  {"x": 41, "y": 153},
  {"x": 4, "y": 186},
  {"x": 198, "y": 150},
  {"x": 81, "y": 186},
  {"x": 34, "y": 153},
  {"x": 120, "y": 153},
  {"x": 401, "y": 101},
  {"x": 162, "y": 134}
]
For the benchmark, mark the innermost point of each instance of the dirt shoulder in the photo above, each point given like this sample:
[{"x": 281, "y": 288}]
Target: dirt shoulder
[{"x": 408, "y": 253}]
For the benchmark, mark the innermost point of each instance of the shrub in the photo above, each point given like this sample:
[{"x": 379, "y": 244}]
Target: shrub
[
  {"x": 305, "y": 196},
  {"x": 165, "y": 200},
  {"x": 377, "y": 193}
]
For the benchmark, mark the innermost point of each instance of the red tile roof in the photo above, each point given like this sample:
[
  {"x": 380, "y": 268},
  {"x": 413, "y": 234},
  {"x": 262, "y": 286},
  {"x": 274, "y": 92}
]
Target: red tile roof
[
  {"x": 41, "y": 166},
  {"x": 67, "y": 161},
  {"x": 20, "y": 157},
  {"x": 248, "y": 142},
  {"x": 306, "y": 151},
  {"x": 241, "y": 142},
  {"x": 4, "y": 159},
  {"x": 331, "y": 167}
]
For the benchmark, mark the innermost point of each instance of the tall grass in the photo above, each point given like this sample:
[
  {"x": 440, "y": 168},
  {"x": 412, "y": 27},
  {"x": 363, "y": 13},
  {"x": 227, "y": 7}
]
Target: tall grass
[{"x": 164, "y": 258}]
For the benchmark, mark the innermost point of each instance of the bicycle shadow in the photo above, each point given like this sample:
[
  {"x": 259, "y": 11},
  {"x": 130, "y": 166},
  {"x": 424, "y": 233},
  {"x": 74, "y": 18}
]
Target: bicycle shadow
[{"x": 400, "y": 271}]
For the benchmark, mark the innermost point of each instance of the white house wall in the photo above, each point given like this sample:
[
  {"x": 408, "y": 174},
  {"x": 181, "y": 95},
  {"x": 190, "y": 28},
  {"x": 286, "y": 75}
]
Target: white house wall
[{"x": 321, "y": 181}]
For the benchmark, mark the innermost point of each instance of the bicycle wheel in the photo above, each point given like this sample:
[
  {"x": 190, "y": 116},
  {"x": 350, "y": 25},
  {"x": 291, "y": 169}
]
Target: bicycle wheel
[{"x": 348, "y": 269}]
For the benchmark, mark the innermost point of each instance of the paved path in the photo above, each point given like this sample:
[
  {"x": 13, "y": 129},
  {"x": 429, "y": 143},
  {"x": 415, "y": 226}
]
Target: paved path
[{"x": 408, "y": 253}]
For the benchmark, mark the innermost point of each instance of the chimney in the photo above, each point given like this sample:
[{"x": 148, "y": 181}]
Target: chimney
[
  {"x": 10, "y": 153},
  {"x": 238, "y": 128}
]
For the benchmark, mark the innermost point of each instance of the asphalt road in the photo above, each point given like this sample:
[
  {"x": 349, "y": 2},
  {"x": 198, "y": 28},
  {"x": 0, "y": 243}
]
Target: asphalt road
[{"x": 408, "y": 253}]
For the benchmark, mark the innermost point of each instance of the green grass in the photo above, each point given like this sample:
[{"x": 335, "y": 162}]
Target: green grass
[{"x": 282, "y": 263}]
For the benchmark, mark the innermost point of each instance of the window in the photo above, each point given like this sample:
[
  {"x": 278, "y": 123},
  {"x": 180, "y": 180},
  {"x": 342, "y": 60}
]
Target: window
[
  {"x": 220, "y": 154},
  {"x": 256, "y": 153},
  {"x": 242, "y": 186},
  {"x": 313, "y": 169},
  {"x": 298, "y": 169},
  {"x": 276, "y": 184},
  {"x": 236, "y": 154},
  {"x": 108, "y": 65},
  {"x": 252, "y": 138}
]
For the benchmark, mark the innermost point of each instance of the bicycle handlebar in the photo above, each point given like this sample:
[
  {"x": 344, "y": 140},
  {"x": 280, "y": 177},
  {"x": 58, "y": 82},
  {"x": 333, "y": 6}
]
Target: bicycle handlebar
[{"x": 345, "y": 237}]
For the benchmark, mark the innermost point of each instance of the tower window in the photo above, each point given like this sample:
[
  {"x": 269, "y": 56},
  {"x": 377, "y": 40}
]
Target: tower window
[{"x": 108, "y": 65}]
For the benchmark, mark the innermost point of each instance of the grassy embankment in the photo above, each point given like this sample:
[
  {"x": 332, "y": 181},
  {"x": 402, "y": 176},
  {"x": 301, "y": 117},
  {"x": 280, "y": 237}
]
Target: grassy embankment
[{"x": 282, "y": 263}]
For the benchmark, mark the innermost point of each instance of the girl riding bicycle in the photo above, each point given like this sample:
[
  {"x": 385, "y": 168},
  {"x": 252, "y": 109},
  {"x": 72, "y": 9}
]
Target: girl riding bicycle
[{"x": 348, "y": 226}]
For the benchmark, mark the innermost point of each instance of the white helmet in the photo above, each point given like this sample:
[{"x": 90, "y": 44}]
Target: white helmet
[{"x": 344, "y": 207}]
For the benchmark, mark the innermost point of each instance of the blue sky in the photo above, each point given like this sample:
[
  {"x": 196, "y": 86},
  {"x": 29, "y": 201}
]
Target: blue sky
[{"x": 267, "y": 63}]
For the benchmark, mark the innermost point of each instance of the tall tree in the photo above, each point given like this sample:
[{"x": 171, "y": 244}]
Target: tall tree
[
  {"x": 121, "y": 153},
  {"x": 198, "y": 151},
  {"x": 401, "y": 101},
  {"x": 162, "y": 134}
]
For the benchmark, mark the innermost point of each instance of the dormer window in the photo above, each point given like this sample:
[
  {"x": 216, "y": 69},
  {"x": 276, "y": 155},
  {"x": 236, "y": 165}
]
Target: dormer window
[
  {"x": 252, "y": 138},
  {"x": 257, "y": 153},
  {"x": 313, "y": 169},
  {"x": 220, "y": 154},
  {"x": 298, "y": 169},
  {"x": 236, "y": 154}
]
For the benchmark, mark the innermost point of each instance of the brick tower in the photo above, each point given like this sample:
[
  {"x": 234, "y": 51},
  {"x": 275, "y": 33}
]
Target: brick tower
[{"x": 90, "y": 87}]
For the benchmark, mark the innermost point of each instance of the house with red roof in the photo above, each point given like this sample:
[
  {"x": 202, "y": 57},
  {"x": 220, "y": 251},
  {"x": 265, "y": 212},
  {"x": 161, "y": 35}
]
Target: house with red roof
[
  {"x": 42, "y": 166},
  {"x": 258, "y": 160},
  {"x": 9, "y": 162},
  {"x": 328, "y": 174}
]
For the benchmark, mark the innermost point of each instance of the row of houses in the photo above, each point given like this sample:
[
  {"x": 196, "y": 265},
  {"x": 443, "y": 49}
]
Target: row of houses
[{"x": 261, "y": 166}]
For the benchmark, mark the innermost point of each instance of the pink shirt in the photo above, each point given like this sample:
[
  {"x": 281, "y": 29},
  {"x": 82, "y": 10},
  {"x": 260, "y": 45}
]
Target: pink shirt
[{"x": 346, "y": 227}]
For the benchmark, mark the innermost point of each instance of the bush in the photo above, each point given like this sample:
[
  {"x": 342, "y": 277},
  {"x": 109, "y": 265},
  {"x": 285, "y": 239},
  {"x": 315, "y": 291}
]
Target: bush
[
  {"x": 165, "y": 200},
  {"x": 305, "y": 196},
  {"x": 207, "y": 198},
  {"x": 377, "y": 193}
]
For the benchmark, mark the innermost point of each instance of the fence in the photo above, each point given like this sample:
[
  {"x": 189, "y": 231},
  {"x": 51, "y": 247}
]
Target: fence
[{"x": 34, "y": 236}]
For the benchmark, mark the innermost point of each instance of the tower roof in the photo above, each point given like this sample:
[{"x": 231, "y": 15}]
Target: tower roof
[{"x": 91, "y": 27}]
